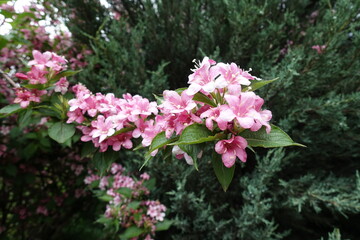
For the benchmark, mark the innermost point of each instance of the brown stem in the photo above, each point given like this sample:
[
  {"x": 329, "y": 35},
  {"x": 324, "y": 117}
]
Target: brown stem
[{"x": 15, "y": 85}]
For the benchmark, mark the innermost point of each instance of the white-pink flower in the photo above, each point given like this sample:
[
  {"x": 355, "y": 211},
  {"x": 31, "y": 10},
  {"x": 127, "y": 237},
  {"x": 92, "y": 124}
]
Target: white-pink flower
[
  {"x": 103, "y": 128},
  {"x": 175, "y": 103},
  {"x": 203, "y": 77},
  {"x": 62, "y": 85}
]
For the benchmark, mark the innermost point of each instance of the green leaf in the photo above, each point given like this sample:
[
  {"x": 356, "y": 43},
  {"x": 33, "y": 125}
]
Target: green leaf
[
  {"x": 256, "y": 84},
  {"x": 148, "y": 157},
  {"x": 36, "y": 86},
  {"x": 106, "y": 198},
  {"x": 11, "y": 170},
  {"x": 25, "y": 118},
  {"x": 124, "y": 191},
  {"x": 276, "y": 138},
  {"x": 164, "y": 225},
  {"x": 10, "y": 109},
  {"x": 66, "y": 73},
  {"x": 150, "y": 184},
  {"x": 192, "y": 150},
  {"x": 133, "y": 205},
  {"x": 87, "y": 149},
  {"x": 223, "y": 174},
  {"x": 132, "y": 232},
  {"x": 197, "y": 133},
  {"x": 159, "y": 141},
  {"x": 3, "y": 42},
  {"x": 61, "y": 132},
  {"x": 159, "y": 100},
  {"x": 180, "y": 90},
  {"x": 103, "y": 160},
  {"x": 200, "y": 97},
  {"x": 123, "y": 130}
]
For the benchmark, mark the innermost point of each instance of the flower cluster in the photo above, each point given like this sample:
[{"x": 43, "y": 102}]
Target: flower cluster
[
  {"x": 44, "y": 67},
  {"x": 115, "y": 121},
  {"x": 109, "y": 116},
  {"x": 219, "y": 98},
  {"x": 125, "y": 195}
]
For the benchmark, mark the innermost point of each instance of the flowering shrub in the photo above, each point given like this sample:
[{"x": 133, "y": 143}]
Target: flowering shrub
[
  {"x": 219, "y": 108},
  {"x": 126, "y": 207}
]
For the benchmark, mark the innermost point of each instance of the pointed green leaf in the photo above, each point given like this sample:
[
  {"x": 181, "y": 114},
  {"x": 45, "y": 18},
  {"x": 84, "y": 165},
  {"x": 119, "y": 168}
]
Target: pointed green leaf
[
  {"x": 124, "y": 191},
  {"x": 66, "y": 73},
  {"x": 123, "y": 130},
  {"x": 150, "y": 184},
  {"x": 276, "y": 138},
  {"x": 103, "y": 160},
  {"x": 133, "y": 205},
  {"x": 61, "y": 132},
  {"x": 197, "y": 133},
  {"x": 36, "y": 86},
  {"x": 180, "y": 90},
  {"x": 25, "y": 118},
  {"x": 159, "y": 141},
  {"x": 200, "y": 97},
  {"x": 164, "y": 225},
  {"x": 223, "y": 174},
  {"x": 87, "y": 149},
  {"x": 131, "y": 232},
  {"x": 10, "y": 109},
  {"x": 256, "y": 84}
]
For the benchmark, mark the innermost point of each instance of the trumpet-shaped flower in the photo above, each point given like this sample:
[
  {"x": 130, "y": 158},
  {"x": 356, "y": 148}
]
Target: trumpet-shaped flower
[
  {"x": 230, "y": 149},
  {"x": 203, "y": 77},
  {"x": 103, "y": 128},
  {"x": 175, "y": 103}
]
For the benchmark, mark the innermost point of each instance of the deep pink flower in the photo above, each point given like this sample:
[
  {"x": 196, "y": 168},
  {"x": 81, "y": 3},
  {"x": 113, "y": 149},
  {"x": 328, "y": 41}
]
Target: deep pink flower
[{"x": 230, "y": 149}]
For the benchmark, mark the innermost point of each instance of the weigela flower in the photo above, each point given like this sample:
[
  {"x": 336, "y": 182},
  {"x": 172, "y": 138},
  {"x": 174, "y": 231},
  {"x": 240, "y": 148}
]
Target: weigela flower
[
  {"x": 203, "y": 77},
  {"x": 62, "y": 85},
  {"x": 230, "y": 149},
  {"x": 175, "y": 103}
]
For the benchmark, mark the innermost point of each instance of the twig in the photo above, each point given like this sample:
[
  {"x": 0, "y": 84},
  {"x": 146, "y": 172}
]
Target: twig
[{"x": 15, "y": 85}]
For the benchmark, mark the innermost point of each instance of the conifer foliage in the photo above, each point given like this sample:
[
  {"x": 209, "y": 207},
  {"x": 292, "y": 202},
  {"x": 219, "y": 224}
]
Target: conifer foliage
[{"x": 312, "y": 47}]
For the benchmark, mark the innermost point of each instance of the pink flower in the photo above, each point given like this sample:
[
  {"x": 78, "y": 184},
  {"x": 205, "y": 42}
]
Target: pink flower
[
  {"x": 231, "y": 74},
  {"x": 203, "y": 77},
  {"x": 319, "y": 49},
  {"x": 115, "y": 168},
  {"x": 179, "y": 154},
  {"x": 62, "y": 85},
  {"x": 156, "y": 210},
  {"x": 103, "y": 128},
  {"x": 241, "y": 108},
  {"x": 145, "y": 176},
  {"x": 174, "y": 103},
  {"x": 42, "y": 210},
  {"x": 230, "y": 149},
  {"x": 213, "y": 114},
  {"x": 24, "y": 96},
  {"x": 40, "y": 59}
]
